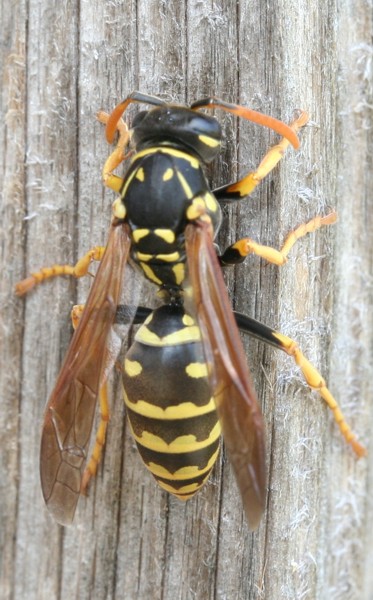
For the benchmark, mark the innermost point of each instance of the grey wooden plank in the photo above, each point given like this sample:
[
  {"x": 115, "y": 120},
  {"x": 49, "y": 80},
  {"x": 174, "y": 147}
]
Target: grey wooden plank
[
  {"x": 131, "y": 540},
  {"x": 12, "y": 210}
]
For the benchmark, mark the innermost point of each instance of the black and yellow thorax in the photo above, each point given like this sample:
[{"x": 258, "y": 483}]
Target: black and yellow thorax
[{"x": 161, "y": 185}]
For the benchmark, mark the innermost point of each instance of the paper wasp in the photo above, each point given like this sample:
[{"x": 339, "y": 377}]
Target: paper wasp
[{"x": 185, "y": 377}]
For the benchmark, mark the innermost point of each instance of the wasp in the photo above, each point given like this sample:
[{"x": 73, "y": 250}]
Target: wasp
[{"x": 185, "y": 377}]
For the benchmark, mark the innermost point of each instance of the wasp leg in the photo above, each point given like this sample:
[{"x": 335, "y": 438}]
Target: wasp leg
[
  {"x": 125, "y": 315},
  {"x": 117, "y": 156},
  {"x": 76, "y": 314},
  {"x": 122, "y": 317},
  {"x": 242, "y": 248},
  {"x": 78, "y": 270},
  {"x": 95, "y": 458},
  {"x": 310, "y": 373},
  {"x": 245, "y": 186}
]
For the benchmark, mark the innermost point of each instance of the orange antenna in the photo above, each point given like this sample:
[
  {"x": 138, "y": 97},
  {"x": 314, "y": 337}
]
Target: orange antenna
[
  {"x": 116, "y": 114},
  {"x": 254, "y": 116}
]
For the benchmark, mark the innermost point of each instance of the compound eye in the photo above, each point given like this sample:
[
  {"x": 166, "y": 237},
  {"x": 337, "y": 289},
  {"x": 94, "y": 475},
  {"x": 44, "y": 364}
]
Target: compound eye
[{"x": 139, "y": 117}]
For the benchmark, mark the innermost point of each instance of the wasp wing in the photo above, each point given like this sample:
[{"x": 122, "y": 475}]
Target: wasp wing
[
  {"x": 235, "y": 398},
  {"x": 70, "y": 411}
]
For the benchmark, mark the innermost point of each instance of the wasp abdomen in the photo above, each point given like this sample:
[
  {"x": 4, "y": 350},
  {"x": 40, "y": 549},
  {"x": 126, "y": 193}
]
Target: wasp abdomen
[{"x": 169, "y": 404}]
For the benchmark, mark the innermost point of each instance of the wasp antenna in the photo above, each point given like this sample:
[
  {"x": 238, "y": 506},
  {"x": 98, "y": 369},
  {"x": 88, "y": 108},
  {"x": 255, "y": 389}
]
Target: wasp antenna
[
  {"x": 286, "y": 131},
  {"x": 279, "y": 127},
  {"x": 120, "y": 108}
]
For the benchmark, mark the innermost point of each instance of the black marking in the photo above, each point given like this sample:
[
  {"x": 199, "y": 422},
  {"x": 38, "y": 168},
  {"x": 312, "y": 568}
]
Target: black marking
[
  {"x": 177, "y": 484},
  {"x": 166, "y": 321},
  {"x": 169, "y": 430},
  {"x": 163, "y": 380},
  {"x": 174, "y": 462}
]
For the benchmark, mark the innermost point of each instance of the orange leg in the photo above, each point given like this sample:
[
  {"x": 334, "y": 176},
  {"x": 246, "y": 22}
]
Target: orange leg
[
  {"x": 242, "y": 248},
  {"x": 235, "y": 254},
  {"x": 310, "y": 373},
  {"x": 94, "y": 460},
  {"x": 317, "y": 382},
  {"x": 78, "y": 270},
  {"x": 117, "y": 156},
  {"x": 247, "y": 184},
  {"x": 96, "y": 253},
  {"x": 91, "y": 468}
]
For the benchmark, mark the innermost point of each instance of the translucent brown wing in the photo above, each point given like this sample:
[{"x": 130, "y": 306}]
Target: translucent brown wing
[
  {"x": 70, "y": 411},
  {"x": 237, "y": 406}
]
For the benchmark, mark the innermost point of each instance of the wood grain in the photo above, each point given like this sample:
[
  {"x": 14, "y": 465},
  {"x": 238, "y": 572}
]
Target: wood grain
[{"x": 60, "y": 63}]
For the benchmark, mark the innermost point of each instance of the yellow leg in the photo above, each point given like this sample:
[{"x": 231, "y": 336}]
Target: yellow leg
[
  {"x": 247, "y": 184},
  {"x": 279, "y": 257},
  {"x": 317, "y": 382},
  {"x": 117, "y": 156},
  {"x": 76, "y": 314},
  {"x": 78, "y": 270},
  {"x": 91, "y": 468}
]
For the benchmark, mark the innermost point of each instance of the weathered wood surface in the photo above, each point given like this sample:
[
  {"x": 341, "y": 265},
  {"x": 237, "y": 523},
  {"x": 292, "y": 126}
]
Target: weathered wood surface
[{"x": 60, "y": 62}]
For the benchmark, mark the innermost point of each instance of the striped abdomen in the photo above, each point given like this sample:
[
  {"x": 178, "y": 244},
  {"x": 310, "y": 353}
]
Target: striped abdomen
[{"x": 169, "y": 404}]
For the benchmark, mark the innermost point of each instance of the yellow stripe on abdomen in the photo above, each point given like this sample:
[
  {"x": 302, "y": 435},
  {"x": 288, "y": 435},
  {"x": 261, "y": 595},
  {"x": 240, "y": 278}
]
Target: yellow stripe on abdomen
[
  {"x": 188, "y": 442},
  {"x": 171, "y": 412}
]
